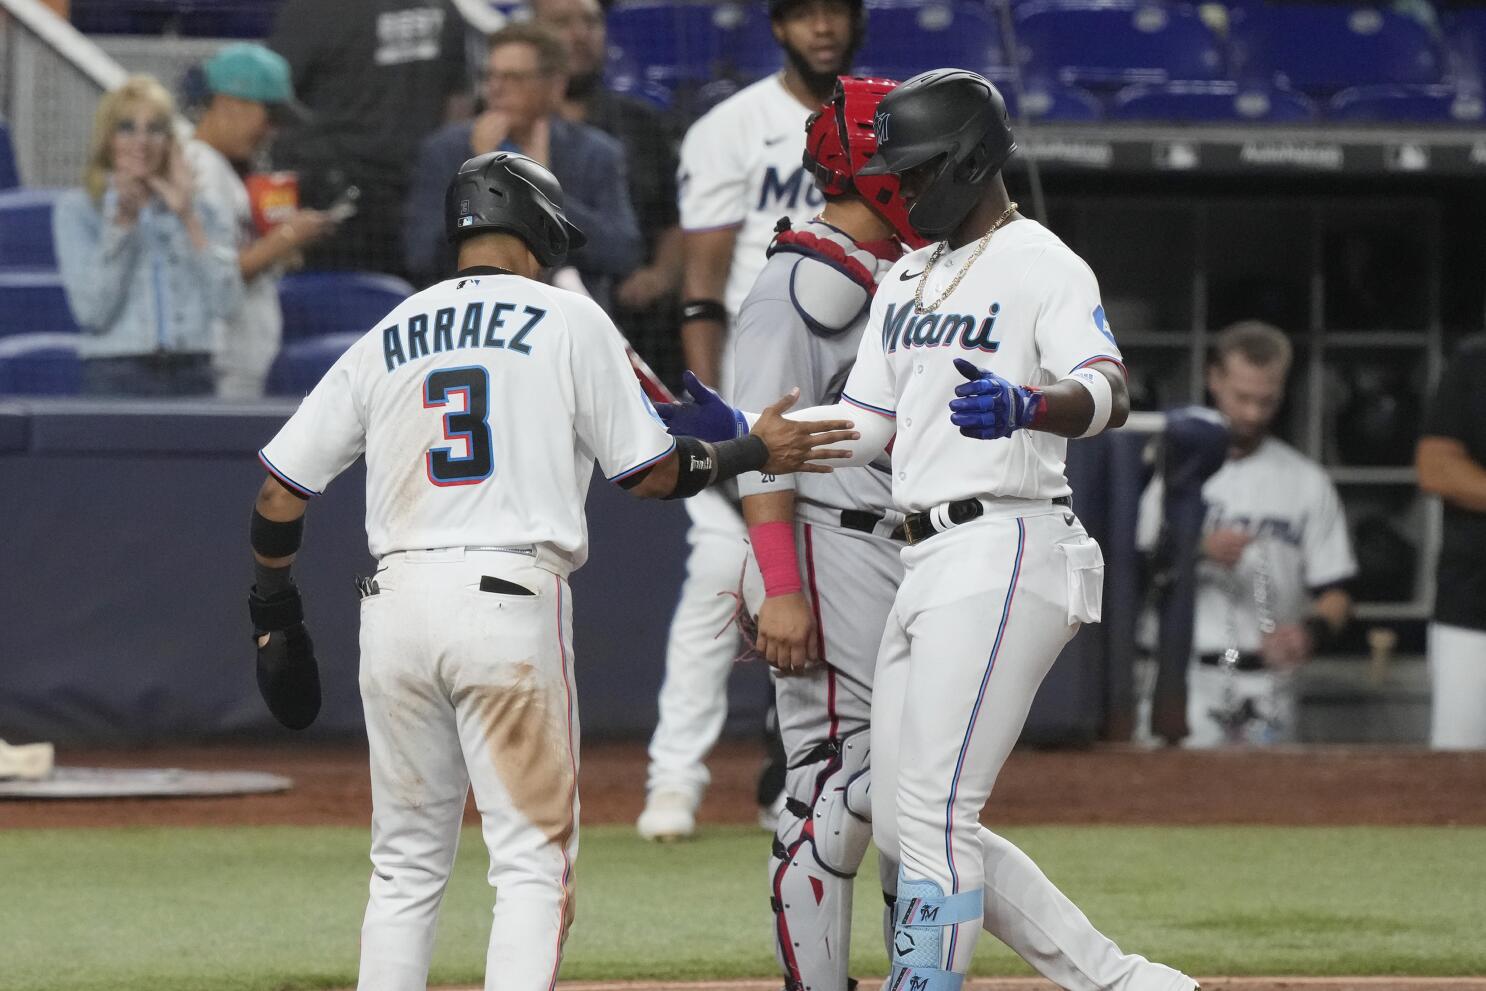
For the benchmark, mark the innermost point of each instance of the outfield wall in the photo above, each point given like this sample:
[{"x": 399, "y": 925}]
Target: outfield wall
[{"x": 124, "y": 572}]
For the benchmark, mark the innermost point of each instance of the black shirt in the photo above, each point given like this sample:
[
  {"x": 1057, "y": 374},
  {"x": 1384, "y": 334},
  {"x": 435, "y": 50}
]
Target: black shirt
[
  {"x": 1458, "y": 411},
  {"x": 376, "y": 75},
  {"x": 650, "y": 155}
]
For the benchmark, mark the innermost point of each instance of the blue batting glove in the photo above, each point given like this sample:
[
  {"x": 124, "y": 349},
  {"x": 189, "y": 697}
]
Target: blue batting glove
[
  {"x": 990, "y": 407},
  {"x": 706, "y": 417}
]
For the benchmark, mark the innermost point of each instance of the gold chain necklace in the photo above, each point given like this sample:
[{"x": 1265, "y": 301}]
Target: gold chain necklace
[{"x": 918, "y": 293}]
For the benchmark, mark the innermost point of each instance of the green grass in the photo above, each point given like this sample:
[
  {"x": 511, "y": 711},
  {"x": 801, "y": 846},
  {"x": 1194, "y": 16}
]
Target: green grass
[{"x": 280, "y": 907}]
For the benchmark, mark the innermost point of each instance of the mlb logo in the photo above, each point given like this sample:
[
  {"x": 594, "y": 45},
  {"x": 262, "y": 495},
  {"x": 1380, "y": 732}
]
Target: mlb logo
[{"x": 466, "y": 221}]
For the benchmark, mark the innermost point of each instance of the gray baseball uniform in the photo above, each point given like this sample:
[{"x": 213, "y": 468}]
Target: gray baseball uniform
[{"x": 801, "y": 326}]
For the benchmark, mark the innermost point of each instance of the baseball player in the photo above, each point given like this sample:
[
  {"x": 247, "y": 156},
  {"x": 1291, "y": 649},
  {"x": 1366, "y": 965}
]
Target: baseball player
[
  {"x": 740, "y": 172},
  {"x": 998, "y": 573},
  {"x": 826, "y": 552},
  {"x": 481, "y": 404},
  {"x": 1275, "y": 555}
]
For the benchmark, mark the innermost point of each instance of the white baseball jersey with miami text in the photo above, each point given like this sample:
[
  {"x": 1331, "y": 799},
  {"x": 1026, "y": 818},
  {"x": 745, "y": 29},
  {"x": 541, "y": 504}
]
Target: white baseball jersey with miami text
[
  {"x": 1028, "y": 309},
  {"x": 1290, "y": 509},
  {"x": 741, "y": 167},
  {"x": 481, "y": 404}
]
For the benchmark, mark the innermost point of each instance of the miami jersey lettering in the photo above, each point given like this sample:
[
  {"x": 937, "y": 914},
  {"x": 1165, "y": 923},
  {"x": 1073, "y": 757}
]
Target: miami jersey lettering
[{"x": 1029, "y": 310}]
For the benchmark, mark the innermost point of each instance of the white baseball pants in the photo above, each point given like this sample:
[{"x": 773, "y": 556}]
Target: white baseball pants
[{"x": 464, "y": 687}]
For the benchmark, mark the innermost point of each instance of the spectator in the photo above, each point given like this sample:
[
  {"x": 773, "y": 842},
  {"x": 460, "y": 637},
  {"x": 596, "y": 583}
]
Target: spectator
[
  {"x": 378, "y": 76},
  {"x": 646, "y": 303},
  {"x": 525, "y": 79},
  {"x": 1275, "y": 554},
  {"x": 249, "y": 91},
  {"x": 1451, "y": 459},
  {"x": 741, "y": 171},
  {"x": 147, "y": 268}
]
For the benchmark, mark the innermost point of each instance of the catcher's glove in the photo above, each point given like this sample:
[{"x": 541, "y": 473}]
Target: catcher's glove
[{"x": 288, "y": 677}]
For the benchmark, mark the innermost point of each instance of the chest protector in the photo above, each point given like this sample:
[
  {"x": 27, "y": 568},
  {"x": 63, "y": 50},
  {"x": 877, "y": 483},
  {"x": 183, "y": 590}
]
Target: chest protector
[{"x": 833, "y": 278}]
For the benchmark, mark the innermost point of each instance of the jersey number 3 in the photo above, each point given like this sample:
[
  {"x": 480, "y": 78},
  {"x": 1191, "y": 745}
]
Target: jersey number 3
[{"x": 471, "y": 425}]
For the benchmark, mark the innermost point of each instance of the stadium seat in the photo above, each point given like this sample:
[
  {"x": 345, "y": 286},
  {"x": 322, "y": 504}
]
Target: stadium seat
[
  {"x": 317, "y": 303},
  {"x": 301, "y": 364},
  {"x": 228, "y": 18},
  {"x": 123, "y": 16},
  {"x": 26, "y": 228},
  {"x": 40, "y": 365},
  {"x": 32, "y": 303},
  {"x": 680, "y": 42},
  {"x": 10, "y": 176},
  {"x": 906, "y": 39},
  {"x": 1407, "y": 105},
  {"x": 1109, "y": 43},
  {"x": 1319, "y": 48},
  {"x": 1047, "y": 102},
  {"x": 1215, "y": 101}
]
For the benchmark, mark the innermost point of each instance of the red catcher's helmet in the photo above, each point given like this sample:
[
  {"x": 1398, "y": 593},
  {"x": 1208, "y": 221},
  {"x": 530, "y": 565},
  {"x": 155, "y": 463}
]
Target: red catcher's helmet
[{"x": 838, "y": 142}]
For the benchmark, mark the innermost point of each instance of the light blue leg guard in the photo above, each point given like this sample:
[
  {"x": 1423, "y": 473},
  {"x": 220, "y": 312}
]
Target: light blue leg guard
[{"x": 921, "y": 914}]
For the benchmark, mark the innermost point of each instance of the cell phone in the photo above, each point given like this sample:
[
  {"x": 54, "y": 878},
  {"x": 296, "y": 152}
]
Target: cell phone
[{"x": 344, "y": 206}]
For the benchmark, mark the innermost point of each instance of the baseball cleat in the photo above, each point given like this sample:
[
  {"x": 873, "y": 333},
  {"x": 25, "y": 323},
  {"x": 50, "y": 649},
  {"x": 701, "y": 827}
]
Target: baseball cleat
[{"x": 668, "y": 816}]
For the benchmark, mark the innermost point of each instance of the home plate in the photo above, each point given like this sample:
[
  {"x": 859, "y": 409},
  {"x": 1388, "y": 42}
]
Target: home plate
[{"x": 109, "y": 782}]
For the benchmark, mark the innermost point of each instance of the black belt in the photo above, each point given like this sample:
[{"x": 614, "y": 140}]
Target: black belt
[
  {"x": 860, "y": 519},
  {"x": 920, "y": 526},
  {"x": 1247, "y": 661}
]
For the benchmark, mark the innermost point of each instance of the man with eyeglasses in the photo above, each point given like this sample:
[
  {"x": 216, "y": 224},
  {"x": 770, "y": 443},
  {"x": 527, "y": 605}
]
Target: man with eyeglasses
[
  {"x": 526, "y": 76},
  {"x": 647, "y": 301}
]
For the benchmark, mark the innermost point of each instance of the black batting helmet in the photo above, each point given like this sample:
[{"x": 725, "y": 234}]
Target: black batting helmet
[
  {"x": 504, "y": 191},
  {"x": 954, "y": 120}
]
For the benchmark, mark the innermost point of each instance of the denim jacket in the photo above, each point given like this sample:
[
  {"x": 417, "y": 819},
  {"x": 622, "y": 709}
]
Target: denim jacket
[{"x": 147, "y": 288}]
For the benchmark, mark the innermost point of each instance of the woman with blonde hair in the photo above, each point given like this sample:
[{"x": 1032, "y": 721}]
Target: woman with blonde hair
[{"x": 147, "y": 269}]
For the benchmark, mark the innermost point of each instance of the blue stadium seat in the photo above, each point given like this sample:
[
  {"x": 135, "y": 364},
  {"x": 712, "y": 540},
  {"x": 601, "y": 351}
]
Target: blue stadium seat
[
  {"x": 1109, "y": 43},
  {"x": 199, "y": 18},
  {"x": 40, "y": 365},
  {"x": 32, "y": 303},
  {"x": 905, "y": 39},
  {"x": 317, "y": 303},
  {"x": 1218, "y": 100},
  {"x": 10, "y": 176},
  {"x": 1320, "y": 48},
  {"x": 301, "y": 364},
  {"x": 123, "y": 16},
  {"x": 228, "y": 18},
  {"x": 692, "y": 42},
  {"x": 26, "y": 228},
  {"x": 1047, "y": 102},
  {"x": 1465, "y": 29},
  {"x": 1407, "y": 104}
]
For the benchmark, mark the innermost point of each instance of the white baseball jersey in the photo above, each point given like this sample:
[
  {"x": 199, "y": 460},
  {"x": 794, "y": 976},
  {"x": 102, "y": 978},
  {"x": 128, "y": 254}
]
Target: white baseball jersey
[
  {"x": 1027, "y": 310},
  {"x": 741, "y": 167},
  {"x": 505, "y": 391},
  {"x": 1288, "y": 505}
]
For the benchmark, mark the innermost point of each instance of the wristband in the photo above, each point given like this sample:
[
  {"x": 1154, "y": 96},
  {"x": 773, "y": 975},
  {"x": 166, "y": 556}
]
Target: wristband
[
  {"x": 703, "y": 309},
  {"x": 1101, "y": 392},
  {"x": 273, "y": 539},
  {"x": 774, "y": 550}
]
